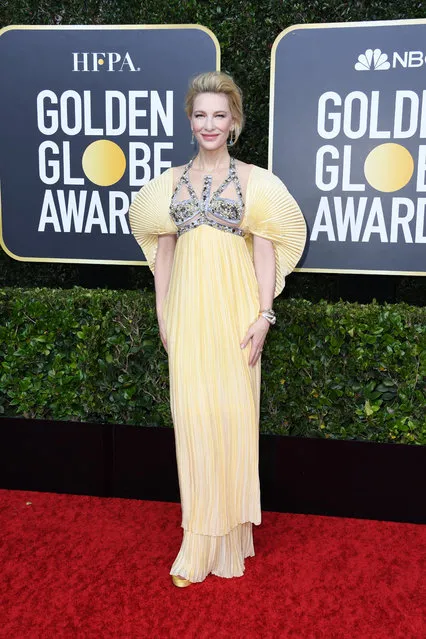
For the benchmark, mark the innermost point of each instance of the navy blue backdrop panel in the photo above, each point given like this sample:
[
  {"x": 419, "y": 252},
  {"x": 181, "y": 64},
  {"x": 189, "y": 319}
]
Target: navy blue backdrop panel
[
  {"x": 348, "y": 137},
  {"x": 87, "y": 116}
]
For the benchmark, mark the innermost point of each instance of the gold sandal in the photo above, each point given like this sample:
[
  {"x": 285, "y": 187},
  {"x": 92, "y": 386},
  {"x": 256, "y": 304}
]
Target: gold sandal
[{"x": 180, "y": 582}]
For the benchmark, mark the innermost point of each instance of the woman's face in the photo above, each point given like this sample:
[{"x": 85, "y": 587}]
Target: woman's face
[{"x": 211, "y": 120}]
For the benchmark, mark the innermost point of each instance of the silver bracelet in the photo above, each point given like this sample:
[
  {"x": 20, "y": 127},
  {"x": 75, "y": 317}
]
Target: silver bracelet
[{"x": 269, "y": 315}]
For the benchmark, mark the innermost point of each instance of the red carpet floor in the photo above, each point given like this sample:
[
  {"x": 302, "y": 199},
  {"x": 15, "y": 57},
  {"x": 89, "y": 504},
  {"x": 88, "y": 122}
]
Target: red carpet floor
[{"x": 82, "y": 567}]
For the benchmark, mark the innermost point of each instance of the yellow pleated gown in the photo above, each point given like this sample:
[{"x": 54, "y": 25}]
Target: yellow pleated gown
[{"x": 212, "y": 300}]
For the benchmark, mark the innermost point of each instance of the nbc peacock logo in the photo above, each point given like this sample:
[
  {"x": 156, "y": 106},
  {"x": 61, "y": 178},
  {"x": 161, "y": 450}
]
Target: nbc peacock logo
[{"x": 372, "y": 60}]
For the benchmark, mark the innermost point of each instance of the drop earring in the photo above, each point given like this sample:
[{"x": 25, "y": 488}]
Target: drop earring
[
  {"x": 192, "y": 137},
  {"x": 231, "y": 138}
]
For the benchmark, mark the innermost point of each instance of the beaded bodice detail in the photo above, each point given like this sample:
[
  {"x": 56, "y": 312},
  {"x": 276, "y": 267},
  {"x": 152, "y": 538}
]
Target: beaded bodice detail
[{"x": 222, "y": 213}]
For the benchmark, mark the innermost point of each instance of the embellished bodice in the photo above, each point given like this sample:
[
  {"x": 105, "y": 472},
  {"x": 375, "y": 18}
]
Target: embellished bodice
[{"x": 221, "y": 213}]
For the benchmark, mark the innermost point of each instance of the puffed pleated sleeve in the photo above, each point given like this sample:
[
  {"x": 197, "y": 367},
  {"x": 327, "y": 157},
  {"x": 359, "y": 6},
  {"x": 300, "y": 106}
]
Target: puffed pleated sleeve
[
  {"x": 149, "y": 214},
  {"x": 272, "y": 212}
]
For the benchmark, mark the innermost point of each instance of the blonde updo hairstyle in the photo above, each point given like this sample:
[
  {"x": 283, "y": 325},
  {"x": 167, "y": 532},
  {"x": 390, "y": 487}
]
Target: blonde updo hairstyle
[{"x": 217, "y": 82}]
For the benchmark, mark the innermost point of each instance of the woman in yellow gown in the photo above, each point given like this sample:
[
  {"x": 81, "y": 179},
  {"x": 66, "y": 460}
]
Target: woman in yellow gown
[{"x": 220, "y": 237}]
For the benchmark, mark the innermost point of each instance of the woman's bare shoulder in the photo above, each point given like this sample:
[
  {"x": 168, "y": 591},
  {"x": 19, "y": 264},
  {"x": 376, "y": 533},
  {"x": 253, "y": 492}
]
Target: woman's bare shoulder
[
  {"x": 244, "y": 172},
  {"x": 243, "y": 166},
  {"x": 177, "y": 173}
]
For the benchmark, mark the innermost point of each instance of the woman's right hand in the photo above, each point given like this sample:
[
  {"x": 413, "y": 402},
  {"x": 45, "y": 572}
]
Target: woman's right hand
[{"x": 162, "y": 329}]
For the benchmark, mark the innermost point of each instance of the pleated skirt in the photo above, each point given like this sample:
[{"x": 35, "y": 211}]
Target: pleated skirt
[
  {"x": 211, "y": 302},
  {"x": 223, "y": 555}
]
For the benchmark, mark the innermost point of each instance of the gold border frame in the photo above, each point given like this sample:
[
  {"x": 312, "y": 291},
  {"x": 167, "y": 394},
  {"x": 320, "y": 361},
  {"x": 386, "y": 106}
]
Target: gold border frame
[
  {"x": 328, "y": 25},
  {"x": 98, "y": 27}
]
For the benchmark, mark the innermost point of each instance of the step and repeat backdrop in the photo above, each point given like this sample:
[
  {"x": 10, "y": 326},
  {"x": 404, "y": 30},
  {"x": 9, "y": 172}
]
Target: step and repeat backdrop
[{"x": 89, "y": 114}]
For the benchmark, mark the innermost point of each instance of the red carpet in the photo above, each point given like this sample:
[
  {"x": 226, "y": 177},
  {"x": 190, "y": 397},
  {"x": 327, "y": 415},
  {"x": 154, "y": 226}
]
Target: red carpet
[{"x": 98, "y": 568}]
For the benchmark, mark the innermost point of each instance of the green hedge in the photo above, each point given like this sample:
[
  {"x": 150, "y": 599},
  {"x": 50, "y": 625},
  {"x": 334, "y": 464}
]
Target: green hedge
[{"x": 341, "y": 371}]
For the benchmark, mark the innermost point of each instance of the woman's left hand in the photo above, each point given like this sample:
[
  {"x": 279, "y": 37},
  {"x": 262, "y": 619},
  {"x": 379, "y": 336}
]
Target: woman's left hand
[{"x": 257, "y": 334}]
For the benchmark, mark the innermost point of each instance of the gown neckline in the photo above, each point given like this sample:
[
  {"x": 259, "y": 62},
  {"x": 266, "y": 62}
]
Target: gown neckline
[{"x": 206, "y": 196}]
